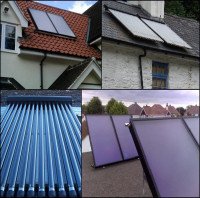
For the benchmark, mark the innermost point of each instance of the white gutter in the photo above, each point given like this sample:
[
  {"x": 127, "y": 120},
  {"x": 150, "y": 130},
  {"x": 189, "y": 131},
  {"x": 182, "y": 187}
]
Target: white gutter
[
  {"x": 95, "y": 41},
  {"x": 35, "y": 53}
]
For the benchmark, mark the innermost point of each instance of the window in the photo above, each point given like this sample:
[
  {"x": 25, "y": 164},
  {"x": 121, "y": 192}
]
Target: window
[
  {"x": 159, "y": 75},
  {"x": 8, "y": 37}
]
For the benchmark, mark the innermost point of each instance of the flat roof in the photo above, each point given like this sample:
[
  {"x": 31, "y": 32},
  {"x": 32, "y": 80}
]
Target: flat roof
[{"x": 123, "y": 179}]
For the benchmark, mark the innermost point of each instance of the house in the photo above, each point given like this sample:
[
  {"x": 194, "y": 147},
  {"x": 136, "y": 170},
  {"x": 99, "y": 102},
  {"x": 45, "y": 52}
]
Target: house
[
  {"x": 172, "y": 111},
  {"x": 155, "y": 111},
  {"x": 145, "y": 48},
  {"x": 192, "y": 111},
  {"x": 45, "y": 47},
  {"x": 135, "y": 110}
]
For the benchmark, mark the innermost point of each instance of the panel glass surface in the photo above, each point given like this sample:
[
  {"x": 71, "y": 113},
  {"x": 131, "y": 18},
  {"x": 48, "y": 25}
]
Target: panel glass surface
[
  {"x": 167, "y": 34},
  {"x": 172, "y": 156},
  {"x": 104, "y": 143},
  {"x": 60, "y": 24},
  {"x": 135, "y": 26},
  {"x": 193, "y": 124},
  {"x": 125, "y": 139},
  {"x": 42, "y": 21}
]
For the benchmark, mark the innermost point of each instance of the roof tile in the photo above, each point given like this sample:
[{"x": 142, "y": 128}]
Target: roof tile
[{"x": 57, "y": 44}]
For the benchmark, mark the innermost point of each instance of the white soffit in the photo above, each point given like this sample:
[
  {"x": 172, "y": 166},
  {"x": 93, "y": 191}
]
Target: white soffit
[
  {"x": 135, "y": 25},
  {"x": 167, "y": 34}
]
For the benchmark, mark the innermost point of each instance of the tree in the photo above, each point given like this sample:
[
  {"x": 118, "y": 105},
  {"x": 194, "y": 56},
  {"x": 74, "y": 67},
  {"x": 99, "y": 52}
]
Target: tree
[
  {"x": 185, "y": 8},
  {"x": 110, "y": 104},
  {"x": 181, "y": 110},
  {"x": 95, "y": 106},
  {"x": 175, "y": 7},
  {"x": 118, "y": 108}
]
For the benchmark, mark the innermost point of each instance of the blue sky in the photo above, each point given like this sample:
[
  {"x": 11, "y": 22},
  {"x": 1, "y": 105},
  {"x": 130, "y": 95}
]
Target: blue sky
[{"x": 75, "y": 6}]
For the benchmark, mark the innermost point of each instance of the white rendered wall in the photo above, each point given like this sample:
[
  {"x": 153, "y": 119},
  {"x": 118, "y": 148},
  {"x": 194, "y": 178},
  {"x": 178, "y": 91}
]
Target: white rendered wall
[
  {"x": 120, "y": 68},
  {"x": 26, "y": 69}
]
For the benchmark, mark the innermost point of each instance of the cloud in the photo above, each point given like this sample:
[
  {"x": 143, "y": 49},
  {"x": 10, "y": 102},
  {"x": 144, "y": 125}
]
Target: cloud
[
  {"x": 80, "y": 6},
  {"x": 173, "y": 97}
]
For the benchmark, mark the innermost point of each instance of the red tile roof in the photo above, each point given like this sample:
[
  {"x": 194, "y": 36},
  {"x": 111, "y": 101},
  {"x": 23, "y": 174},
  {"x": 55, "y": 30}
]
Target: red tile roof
[
  {"x": 134, "y": 109},
  {"x": 192, "y": 110},
  {"x": 55, "y": 44},
  {"x": 172, "y": 110},
  {"x": 156, "y": 109}
]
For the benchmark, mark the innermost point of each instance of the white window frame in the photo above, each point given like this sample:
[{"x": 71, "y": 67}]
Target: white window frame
[{"x": 3, "y": 31}]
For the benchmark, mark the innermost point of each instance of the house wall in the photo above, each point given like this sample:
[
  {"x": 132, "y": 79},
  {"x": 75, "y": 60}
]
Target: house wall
[
  {"x": 120, "y": 68},
  {"x": 26, "y": 69}
]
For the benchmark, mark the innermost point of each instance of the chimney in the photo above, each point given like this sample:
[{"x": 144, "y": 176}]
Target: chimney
[
  {"x": 154, "y": 8},
  {"x": 133, "y": 2},
  {"x": 167, "y": 106}
]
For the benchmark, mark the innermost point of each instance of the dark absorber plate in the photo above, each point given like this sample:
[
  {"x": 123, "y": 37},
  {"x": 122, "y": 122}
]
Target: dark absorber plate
[
  {"x": 104, "y": 142},
  {"x": 170, "y": 156},
  {"x": 126, "y": 142},
  {"x": 193, "y": 124}
]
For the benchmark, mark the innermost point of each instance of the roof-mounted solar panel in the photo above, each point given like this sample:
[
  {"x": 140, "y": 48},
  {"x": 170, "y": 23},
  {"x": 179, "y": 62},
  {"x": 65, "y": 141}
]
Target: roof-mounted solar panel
[
  {"x": 135, "y": 25},
  {"x": 42, "y": 21},
  {"x": 103, "y": 139},
  {"x": 61, "y": 26},
  {"x": 166, "y": 33},
  {"x": 125, "y": 140},
  {"x": 169, "y": 156},
  {"x": 110, "y": 139},
  {"x": 193, "y": 124},
  {"x": 52, "y": 23}
]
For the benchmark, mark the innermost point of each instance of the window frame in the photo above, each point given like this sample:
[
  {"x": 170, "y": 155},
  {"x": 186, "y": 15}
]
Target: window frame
[
  {"x": 3, "y": 37},
  {"x": 159, "y": 75}
]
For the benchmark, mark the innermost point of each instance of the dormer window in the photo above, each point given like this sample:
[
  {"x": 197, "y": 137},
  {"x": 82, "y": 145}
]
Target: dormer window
[{"x": 8, "y": 37}]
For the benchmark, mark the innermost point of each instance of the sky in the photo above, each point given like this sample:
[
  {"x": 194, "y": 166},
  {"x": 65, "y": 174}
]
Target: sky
[
  {"x": 177, "y": 98},
  {"x": 74, "y": 6}
]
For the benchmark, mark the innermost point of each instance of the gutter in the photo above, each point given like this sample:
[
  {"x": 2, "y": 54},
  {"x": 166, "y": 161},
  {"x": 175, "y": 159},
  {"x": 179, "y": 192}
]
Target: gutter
[
  {"x": 151, "y": 48},
  {"x": 41, "y": 70},
  {"x": 140, "y": 67}
]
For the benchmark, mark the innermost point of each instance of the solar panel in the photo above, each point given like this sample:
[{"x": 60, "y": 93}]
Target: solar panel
[
  {"x": 193, "y": 124},
  {"x": 169, "y": 156},
  {"x": 168, "y": 35},
  {"x": 103, "y": 139},
  {"x": 40, "y": 148},
  {"x": 60, "y": 25},
  {"x": 42, "y": 21},
  {"x": 135, "y": 25},
  {"x": 126, "y": 142},
  {"x": 49, "y": 22}
]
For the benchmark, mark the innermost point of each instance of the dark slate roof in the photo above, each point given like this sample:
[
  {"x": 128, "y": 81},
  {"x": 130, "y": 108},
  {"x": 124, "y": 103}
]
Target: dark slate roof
[
  {"x": 41, "y": 148},
  {"x": 117, "y": 180},
  {"x": 187, "y": 29},
  {"x": 69, "y": 76},
  {"x": 94, "y": 13}
]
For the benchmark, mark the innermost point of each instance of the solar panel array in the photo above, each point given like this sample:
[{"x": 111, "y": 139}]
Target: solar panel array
[
  {"x": 52, "y": 23},
  {"x": 40, "y": 148},
  {"x": 167, "y": 34},
  {"x": 110, "y": 139},
  {"x": 135, "y": 25},
  {"x": 149, "y": 29},
  {"x": 169, "y": 156}
]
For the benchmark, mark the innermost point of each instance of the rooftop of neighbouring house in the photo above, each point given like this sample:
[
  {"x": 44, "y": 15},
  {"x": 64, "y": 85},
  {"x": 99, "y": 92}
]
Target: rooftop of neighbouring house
[
  {"x": 156, "y": 109},
  {"x": 45, "y": 42},
  {"x": 192, "y": 110},
  {"x": 185, "y": 28},
  {"x": 134, "y": 109}
]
